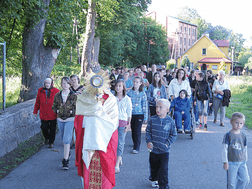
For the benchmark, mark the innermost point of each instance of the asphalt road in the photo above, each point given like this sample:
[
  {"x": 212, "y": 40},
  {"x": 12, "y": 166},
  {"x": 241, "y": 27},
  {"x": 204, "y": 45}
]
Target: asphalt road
[{"x": 193, "y": 164}]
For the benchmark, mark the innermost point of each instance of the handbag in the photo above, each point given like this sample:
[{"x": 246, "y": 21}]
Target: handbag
[{"x": 219, "y": 96}]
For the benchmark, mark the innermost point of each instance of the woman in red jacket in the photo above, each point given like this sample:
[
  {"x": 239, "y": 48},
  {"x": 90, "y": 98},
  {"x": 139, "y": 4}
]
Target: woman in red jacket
[{"x": 44, "y": 102}]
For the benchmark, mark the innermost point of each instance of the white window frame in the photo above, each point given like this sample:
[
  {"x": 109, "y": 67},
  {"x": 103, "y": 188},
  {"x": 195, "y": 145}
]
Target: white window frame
[
  {"x": 214, "y": 67},
  {"x": 189, "y": 31}
]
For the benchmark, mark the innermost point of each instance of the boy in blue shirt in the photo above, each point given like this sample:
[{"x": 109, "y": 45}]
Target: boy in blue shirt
[
  {"x": 160, "y": 134},
  {"x": 234, "y": 154}
]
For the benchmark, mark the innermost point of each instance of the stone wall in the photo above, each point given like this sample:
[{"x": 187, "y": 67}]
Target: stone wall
[{"x": 17, "y": 124}]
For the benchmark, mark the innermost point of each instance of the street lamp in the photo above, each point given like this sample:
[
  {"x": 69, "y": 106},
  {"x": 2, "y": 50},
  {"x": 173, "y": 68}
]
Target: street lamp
[{"x": 232, "y": 60}]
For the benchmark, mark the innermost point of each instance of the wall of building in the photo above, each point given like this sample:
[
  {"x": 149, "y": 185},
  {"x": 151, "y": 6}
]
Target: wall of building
[
  {"x": 195, "y": 53},
  {"x": 225, "y": 50},
  {"x": 17, "y": 124}
]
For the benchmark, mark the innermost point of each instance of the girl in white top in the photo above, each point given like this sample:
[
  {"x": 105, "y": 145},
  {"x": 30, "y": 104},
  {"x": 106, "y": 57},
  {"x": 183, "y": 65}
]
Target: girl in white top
[
  {"x": 179, "y": 83},
  {"x": 125, "y": 111},
  {"x": 218, "y": 87}
]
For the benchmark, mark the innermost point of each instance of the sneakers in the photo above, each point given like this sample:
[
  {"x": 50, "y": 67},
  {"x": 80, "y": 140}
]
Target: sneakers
[
  {"x": 215, "y": 121},
  {"x": 180, "y": 130},
  {"x": 200, "y": 125},
  {"x": 65, "y": 163},
  {"x": 205, "y": 127},
  {"x": 134, "y": 152},
  {"x": 197, "y": 122},
  {"x": 154, "y": 184},
  {"x": 222, "y": 124},
  {"x": 187, "y": 131},
  {"x": 50, "y": 146}
]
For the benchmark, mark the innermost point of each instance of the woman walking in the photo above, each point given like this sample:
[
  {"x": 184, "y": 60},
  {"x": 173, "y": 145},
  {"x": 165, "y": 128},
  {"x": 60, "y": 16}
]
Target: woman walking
[
  {"x": 44, "y": 102},
  {"x": 218, "y": 92},
  {"x": 125, "y": 111},
  {"x": 139, "y": 111},
  {"x": 64, "y": 106}
]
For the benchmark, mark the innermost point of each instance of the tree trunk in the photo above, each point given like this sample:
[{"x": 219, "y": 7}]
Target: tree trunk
[
  {"x": 95, "y": 51},
  {"x": 37, "y": 60},
  {"x": 86, "y": 59}
]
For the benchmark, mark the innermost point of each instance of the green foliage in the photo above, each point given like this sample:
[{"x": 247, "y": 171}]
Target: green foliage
[
  {"x": 131, "y": 46},
  {"x": 236, "y": 41},
  {"x": 249, "y": 64},
  {"x": 171, "y": 64},
  {"x": 241, "y": 100},
  {"x": 244, "y": 56},
  {"x": 185, "y": 61},
  {"x": 188, "y": 14}
]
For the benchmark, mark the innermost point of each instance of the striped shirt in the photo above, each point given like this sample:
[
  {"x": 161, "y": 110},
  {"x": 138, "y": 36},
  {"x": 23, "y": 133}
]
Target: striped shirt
[{"x": 162, "y": 133}]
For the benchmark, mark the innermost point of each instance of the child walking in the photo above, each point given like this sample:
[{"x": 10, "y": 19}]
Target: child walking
[
  {"x": 160, "y": 134},
  {"x": 125, "y": 111},
  {"x": 64, "y": 106},
  {"x": 139, "y": 111},
  {"x": 234, "y": 154}
]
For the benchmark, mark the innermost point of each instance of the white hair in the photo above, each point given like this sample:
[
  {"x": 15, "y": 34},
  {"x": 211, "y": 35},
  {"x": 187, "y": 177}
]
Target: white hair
[
  {"x": 221, "y": 71},
  {"x": 48, "y": 79},
  {"x": 165, "y": 102}
]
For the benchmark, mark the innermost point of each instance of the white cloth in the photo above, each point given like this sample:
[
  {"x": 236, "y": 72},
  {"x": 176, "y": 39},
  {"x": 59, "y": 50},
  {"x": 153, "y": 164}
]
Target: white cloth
[
  {"x": 217, "y": 86},
  {"x": 175, "y": 87},
  {"x": 99, "y": 127},
  {"x": 125, "y": 108}
]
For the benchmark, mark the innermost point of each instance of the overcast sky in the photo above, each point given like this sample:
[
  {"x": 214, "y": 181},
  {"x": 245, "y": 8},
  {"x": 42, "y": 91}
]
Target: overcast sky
[{"x": 231, "y": 14}]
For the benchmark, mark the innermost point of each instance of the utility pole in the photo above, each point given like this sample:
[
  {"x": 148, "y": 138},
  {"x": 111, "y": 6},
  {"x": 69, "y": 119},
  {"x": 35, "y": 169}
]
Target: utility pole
[{"x": 232, "y": 66}]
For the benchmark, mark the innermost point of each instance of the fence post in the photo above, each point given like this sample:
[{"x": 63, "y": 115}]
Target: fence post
[{"x": 3, "y": 77}]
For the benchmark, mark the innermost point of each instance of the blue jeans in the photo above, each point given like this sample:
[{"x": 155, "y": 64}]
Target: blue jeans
[
  {"x": 187, "y": 120},
  {"x": 66, "y": 129},
  {"x": 159, "y": 169},
  {"x": 203, "y": 106},
  {"x": 121, "y": 140},
  {"x": 237, "y": 175}
]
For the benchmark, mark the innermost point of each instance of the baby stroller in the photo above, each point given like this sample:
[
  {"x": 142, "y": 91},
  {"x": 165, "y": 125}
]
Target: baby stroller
[{"x": 192, "y": 128}]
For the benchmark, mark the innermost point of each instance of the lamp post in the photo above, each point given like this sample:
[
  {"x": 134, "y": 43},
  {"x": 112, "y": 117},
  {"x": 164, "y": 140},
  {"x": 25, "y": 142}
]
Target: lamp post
[{"x": 232, "y": 60}]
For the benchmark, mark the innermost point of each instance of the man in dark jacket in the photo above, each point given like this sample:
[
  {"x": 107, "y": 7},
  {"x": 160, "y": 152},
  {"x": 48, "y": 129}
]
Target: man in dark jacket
[
  {"x": 150, "y": 74},
  {"x": 114, "y": 77}
]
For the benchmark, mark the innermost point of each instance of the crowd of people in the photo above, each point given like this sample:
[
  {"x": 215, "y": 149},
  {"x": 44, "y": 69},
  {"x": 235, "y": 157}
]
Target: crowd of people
[{"x": 143, "y": 96}]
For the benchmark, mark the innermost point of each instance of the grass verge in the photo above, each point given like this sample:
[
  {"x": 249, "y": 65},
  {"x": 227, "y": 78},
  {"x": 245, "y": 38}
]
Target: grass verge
[
  {"x": 241, "y": 97},
  {"x": 24, "y": 150}
]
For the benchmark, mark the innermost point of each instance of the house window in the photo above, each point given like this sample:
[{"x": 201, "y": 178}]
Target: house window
[
  {"x": 185, "y": 29},
  {"x": 214, "y": 67},
  {"x": 204, "y": 51},
  {"x": 189, "y": 30},
  {"x": 180, "y": 51},
  {"x": 181, "y": 28},
  {"x": 195, "y": 32},
  {"x": 184, "y": 41},
  {"x": 180, "y": 40},
  {"x": 192, "y": 31},
  {"x": 189, "y": 42},
  {"x": 184, "y": 50}
]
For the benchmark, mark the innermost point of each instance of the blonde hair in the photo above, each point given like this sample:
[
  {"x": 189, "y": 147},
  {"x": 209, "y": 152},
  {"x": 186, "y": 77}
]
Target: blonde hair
[
  {"x": 164, "y": 102},
  {"x": 238, "y": 115}
]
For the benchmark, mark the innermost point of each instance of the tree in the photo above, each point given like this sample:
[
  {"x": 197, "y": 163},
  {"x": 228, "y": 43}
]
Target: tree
[
  {"x": 188, "y": 14},
  {"x": 244, "y": 57},
  {"x": 219, "y": 33},
  {"x": 236, "y": 41},
  {"x": 185, "y": 61},
  {"x": 249, "y": 64}
]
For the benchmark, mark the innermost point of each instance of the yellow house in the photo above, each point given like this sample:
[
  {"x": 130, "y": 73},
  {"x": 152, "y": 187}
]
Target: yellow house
[{"x": 207, "y": 54}]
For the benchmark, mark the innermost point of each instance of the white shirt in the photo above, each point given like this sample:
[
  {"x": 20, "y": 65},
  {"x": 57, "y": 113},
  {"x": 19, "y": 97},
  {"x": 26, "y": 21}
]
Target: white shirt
[
  {"x": 218, "y": 86},
  {"x": 124, "y": 107},
  {"x": 175, "y": 87}
]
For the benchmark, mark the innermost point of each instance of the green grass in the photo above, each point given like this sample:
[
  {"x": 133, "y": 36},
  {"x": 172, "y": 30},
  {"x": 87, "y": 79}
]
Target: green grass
[{"x": 241, "y": 97}]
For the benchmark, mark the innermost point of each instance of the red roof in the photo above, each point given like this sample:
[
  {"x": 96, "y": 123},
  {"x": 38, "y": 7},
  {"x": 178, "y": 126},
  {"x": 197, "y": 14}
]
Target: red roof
[
  {"x": 221, "y": 43},
  {"x": 214, "y": 60}
]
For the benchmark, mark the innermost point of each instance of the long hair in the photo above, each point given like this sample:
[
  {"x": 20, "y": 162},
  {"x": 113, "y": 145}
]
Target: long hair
[
  {"x": 124, "y": 87},
  {"x": 141, "y": 86},
  {"x": 159, "y": 82},
  {"x": 184, "y": 77}
]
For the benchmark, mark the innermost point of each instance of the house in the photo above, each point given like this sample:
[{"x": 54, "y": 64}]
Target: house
[
  {"x": 180, "y": 34},
  {"x": 207, "y": 55}
]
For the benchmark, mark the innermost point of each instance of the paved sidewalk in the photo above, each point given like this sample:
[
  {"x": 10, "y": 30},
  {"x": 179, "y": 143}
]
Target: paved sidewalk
[{"x": 193, "y": 164}]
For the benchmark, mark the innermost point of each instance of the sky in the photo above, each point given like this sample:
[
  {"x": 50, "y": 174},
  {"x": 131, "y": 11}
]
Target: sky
[{"x": 231, "y": 14}]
